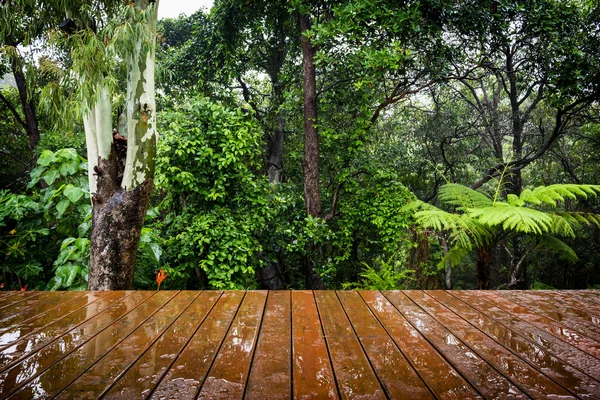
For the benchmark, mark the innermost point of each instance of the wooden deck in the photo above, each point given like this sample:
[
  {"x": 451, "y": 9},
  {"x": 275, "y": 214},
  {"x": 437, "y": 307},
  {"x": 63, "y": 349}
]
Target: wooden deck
[{"x": 300, "y": 344}]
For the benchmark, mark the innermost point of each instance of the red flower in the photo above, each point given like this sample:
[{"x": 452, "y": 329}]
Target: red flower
[{"x": 160, "y": 276}]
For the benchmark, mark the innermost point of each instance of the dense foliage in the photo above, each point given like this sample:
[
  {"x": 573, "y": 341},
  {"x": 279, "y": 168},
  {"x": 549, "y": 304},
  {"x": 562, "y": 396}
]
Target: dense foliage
[{"x": 457, "y": 145}]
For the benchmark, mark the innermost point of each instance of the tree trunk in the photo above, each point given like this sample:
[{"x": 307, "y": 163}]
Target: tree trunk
[
  {"x": 310, "y": 163},
  {"x": 124, "y": 178},
  {"x": 448, "y": 272},
  {"x": 484, "y": 258},
  {"x": 27, "y": 103},
  {"x": 117, "y": 219},
  {"x": 275, "y": 153}
]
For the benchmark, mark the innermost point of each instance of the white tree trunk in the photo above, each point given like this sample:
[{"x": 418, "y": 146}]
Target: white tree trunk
[
  {"x": 142, "y": 137},
  {"x": 97, "y": 123}
]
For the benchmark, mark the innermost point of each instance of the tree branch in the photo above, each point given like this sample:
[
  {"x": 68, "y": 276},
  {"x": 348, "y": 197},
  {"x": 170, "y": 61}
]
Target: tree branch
[{"x": 13, "y": 111}]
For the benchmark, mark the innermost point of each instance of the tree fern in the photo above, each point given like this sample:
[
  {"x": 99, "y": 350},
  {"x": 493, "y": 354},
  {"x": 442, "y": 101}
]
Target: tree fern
[
  {"x": 482, "y": 222},
  {"x": 511, "y": 218},
  {"x": 463, "y": 197},
  {"x": 557, "y": 246},
  {"x": 555, "y": 193}
]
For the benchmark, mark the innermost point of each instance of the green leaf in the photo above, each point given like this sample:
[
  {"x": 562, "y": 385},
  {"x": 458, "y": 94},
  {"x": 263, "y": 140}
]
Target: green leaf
[
  {"x": 46, "y": 158},
  {"x": 84, "y": 227},
  {"x": 463, "y": 197},
  {"x": 54, "y": 283},
  {"x": 73, "y": 193},
  {"x": 68, "y": 168},
  {"x": 35, "y": 175},
  {"x": 51, "y": 176},
  {"x": 68, "y": 273},
  {"x": 66, "y": 242},
  {"x": 82, "y": 244},
  {"x": 62, "y": 207}
]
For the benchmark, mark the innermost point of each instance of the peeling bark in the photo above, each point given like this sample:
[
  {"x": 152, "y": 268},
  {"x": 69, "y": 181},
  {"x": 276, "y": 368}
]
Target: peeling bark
[
  {"x": 117, "y": 220},
  {"x": 123, "y": 178}
]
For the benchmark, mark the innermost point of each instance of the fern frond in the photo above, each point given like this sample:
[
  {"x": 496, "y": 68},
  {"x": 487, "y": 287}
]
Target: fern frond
[
  {"x": 437, "y": 219},
  {"x": 518, "y": 219},
  {"x": 563, "y": 224},
  {"x": 557, "y": 193},
  {"x": 455, "y": 255},
  {"x": 464, "y": 231},
  {"x": 554, "y": 244},
  {"x": 415, "y": 206},
  {"x": 463, "y": 197},
  {"x": 578, "y": 218},
  {"x": 515, "y": 200}
]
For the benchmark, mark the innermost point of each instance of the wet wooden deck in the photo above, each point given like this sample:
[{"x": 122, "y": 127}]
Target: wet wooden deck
[{"x": 300, "y": 344}]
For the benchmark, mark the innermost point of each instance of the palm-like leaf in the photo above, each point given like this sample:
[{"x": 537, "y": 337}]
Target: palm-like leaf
[
  {"x": 511, "y": 218},
  {"x": 563, "y": 250},
  {"x": 463, "y": 197},
  {"x": 464, "y": 231},
  {"x": 557, "y": 193}
]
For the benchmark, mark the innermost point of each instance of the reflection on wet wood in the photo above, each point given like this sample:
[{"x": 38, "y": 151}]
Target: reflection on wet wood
[{"x": 300, "y": 344}]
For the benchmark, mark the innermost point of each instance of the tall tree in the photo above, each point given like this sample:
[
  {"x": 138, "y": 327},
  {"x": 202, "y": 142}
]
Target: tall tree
[
  {"x": 121, "y": 170},
  {"x": 22, "y": 23}
]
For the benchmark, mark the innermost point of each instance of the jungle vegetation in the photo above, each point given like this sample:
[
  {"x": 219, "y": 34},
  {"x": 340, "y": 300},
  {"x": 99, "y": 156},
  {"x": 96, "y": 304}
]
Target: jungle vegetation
[{"x": 289, "y": 144}]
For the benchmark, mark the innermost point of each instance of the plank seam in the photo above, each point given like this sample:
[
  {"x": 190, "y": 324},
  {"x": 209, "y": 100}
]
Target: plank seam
[
  {"x": 501, "y": 345},
  {"x": 326, "y": 345},
  {"x": 22, "y": 384}
]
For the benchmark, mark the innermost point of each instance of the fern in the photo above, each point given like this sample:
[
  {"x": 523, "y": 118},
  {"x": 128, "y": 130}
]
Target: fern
[
  {"x": 511, "y": 218},
  {"x": 464, "y": 231},
  {"x": 463, "y": 197},
  {"x": 383, "y": 277},
  {"x": 557, "y": 246},
  {"x": 481, "y": 221},
  {"x": 455, "y": 255},
  {"x": 557, "y": 193}
]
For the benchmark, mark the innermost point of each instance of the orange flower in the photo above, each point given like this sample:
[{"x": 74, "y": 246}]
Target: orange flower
[
  {"x": 24, "y": 288},
  {"x": 160, "y": 276}
]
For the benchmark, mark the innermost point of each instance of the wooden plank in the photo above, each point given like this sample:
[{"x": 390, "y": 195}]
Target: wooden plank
[
  {"x": 529, "y": 379},
  {"x": 567, "y": 376},
  {"x": 33, "y": 341},
  {"x": 438, "y": 374},
  {"x": 566, "y": 352},
  {"x": 229, "y": 372},
  {"x": 42, "y": 306},
  {"x": 397, "y": 376},
  {"x": 139, "y": 380},
  {"x": 271, "y": 372},
  {"x": 484, "y": 377},
  {"x": 573, "y": 301},
  {"x": 312, "y": 372},
  {"x": 13, "y": 304},
  {"x": 103, "y": 374},
  {"x": 575, "y": 319},
  {"x": 22, "y": 369},
  {"x": 352, "y": 370},
  {"x": 11, "y": 334},
  {"x": 48, "y": 382},
  {"x": 186, "y": 375},
  {"x": 21, "y": 303},
  {"x": 566, "y": 334},
  {"x": 585, "y": 296}
]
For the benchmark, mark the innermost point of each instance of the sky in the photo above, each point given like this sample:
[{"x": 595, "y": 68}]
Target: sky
[{"x": 172, "y": 8}]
